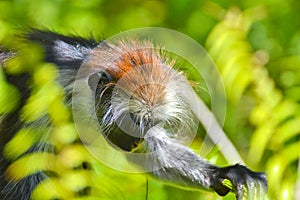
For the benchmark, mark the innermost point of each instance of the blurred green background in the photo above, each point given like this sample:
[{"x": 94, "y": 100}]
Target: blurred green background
[{"x": 256, "y": 46}]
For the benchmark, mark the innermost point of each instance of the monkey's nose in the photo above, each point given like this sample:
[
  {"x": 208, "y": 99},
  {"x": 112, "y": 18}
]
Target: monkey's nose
[{"x": 144, "y": 123}]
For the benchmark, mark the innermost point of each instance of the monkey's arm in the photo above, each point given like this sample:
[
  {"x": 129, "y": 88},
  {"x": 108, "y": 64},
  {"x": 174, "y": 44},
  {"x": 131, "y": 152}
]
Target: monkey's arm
[{"x": 177, "y": 164}]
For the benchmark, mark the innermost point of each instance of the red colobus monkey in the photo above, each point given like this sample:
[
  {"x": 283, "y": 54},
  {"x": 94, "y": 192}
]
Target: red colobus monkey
[{"x": 134, "y": 87}]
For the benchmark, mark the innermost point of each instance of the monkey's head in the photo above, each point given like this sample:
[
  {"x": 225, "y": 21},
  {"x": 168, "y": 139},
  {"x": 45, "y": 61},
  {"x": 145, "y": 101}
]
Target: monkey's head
[{"x": 136, "y": 89}]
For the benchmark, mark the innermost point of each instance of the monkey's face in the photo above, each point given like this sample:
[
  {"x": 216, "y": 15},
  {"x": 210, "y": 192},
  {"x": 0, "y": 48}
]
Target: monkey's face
[
  {"x": 148, "y": 99},
  {"x": 138, "y": 91}
]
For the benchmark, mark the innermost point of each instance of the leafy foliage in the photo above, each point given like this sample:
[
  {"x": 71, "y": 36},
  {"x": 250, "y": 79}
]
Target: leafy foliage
[{"x": 255, "y": 44}]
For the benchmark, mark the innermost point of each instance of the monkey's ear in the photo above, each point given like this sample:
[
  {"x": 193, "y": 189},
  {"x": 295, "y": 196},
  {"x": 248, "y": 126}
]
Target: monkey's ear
[
  {"x": 64, "y": 51},
  {"x": 94, "y": 80},
  {"x": 98, "y": 80}
]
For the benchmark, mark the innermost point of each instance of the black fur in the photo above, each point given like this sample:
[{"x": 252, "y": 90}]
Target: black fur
[
  {"x": 64, "y": 51},
  {"x": 10, "y": 123}
]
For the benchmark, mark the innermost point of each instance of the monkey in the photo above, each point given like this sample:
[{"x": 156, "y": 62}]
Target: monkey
[{"x": 137, "y": 90}]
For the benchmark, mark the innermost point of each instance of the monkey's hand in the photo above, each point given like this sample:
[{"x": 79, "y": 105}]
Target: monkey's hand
[{"x": 241, "y": 179}]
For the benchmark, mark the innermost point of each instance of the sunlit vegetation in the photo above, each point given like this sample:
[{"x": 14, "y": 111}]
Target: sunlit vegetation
[{"x": 254, "y": 44}]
